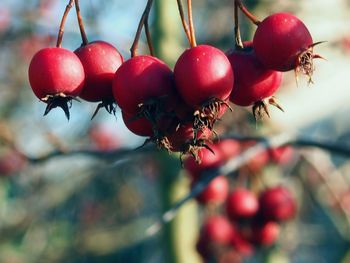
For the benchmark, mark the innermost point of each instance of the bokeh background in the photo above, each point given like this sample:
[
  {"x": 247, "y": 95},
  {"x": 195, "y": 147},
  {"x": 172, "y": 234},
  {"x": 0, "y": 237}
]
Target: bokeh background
[{"x": 74, "y": 206}]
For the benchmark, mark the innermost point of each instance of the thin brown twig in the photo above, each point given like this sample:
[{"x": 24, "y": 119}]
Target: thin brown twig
[
  {"x": 144, "y": 17},
  {"x": 63, "y": 22},
  {"x": 183, "y": 20},
  {"x": 190, "y": 21},
  {"x": 148, "y": 36},
  {"x": 238, "y": 39},
  {"x": 81, "y": 24},
  {"x": 246, "y": 12}
]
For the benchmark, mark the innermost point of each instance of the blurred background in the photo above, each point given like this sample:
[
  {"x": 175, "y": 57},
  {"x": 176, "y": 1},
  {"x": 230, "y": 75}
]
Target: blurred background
[{"x": 79, "y": 207}]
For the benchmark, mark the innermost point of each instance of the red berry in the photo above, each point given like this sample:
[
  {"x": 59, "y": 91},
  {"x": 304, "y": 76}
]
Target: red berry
[
  {"x": 56, "y": 75},
  {"x": 259, "y": 161},
  {"x": 277, "y": 204},
  {"x": 11, "y": 161},
  {"x": 253, "y": 82},
  {"x": 281, "y": 155},
  {"x": 241, "y": 203},
  {"x": 242, "y": 245},
  {"x": 217, "y": 229},
  {"x": 203, "y": 73},
  {"x": 281, "y": 40},
  {"x": 139, "y": 126},
  {"x": 100, "y": 61},
  {"x": 208, "y": 160},
  {"x": 265, "y": 234},
  {"x": 181, "y": 138},
  {"x": 139, "y": 80},
  {"x": 216, "y": 191},
  {"x": 228, "y": 148},
  {"x": 104, "y": 138}
]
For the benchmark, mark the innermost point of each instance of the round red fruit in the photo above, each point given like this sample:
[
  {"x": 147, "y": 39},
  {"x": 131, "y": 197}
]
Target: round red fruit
[
  {"x": 208, "y": 159},
  {"x": 228, "y": 148},
  {"x": 241, "y": 203},
  {"x": 139, "y": 126},
  {"x": 217, "y": 229},
  {"x": 216, "y": 191},
  {"x": 253, "y": 82},
  {"x": 265, "y": 234},
  {"x": 141, "y": 79},
  {"x": 100, "y": 61},
  {"x": 280, "y": 40},
  {"x": 54, "y": 71},
  {"x": 203, "y": 73},
  {"x": 277, "y": 204}
]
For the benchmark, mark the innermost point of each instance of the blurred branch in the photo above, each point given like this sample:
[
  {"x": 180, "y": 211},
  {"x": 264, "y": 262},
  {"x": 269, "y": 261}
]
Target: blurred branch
[
  {"x": 235, "y": 163},
  {"x": 264, "y": 143}
]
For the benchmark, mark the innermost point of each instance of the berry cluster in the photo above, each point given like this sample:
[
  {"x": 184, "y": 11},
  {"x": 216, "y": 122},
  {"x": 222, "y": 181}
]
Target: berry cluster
[
  {"x": 239, "y": 221},
  {"x": 177, "y": 109}
]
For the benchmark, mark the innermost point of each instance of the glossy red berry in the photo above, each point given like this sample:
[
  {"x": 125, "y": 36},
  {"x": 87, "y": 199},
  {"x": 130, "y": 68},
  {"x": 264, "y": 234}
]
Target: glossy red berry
[
  {"x": 56, "y": 75},
  {"x": 253, "y": 82},
  {"x": 281, "y": 155},
  {"x": 203, "y": 73},
  {"x": 241, "y": 203},
  {"x": 228, "y": 148},
  {"x": 217, "y": 229},
  {"x": 266, "y": 233},
  {"x": 100, "y": 61},
  {"x": 277, "y": 204},
  {"x": 139, "y": 126},
  {"x": 208, "y": 159},
  {"x": 140, "y": 80},
  {"x": 283, "y": 42},
  {"x": 216, "y": 192}
]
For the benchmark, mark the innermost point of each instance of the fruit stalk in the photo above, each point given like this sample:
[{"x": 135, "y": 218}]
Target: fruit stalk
[
  {"x": 143, "y": 22},
  {"x": 183, "y": 20},
  {"x": 246, "y": 12},
  {"x": 190, "y": 21},
  {"x": 238, "y": 40},
  {"x": 81, "y": 24},
  {"x": 63, "y": 22}
]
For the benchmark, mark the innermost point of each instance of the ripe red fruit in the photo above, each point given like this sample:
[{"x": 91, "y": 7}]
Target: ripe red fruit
[
  {"x": 179, "y": 140},
  {"x": 11, "y": 161},
  {"x": 259, "y": 161},
  {"x": 277, "y": 204},
  {"x": 253, "y": 83},
  {"x": 217, "y": 229},
  {"x": 100, "y": 61},
  {"x": 140, "y": 80},
  {"x": 216, "y": 191},
  {"x": 208, "y": 159},
  {"x": 281, "y": 155},
  {"x": 228, "y": 148},
  {"x": 56, "y": 76},
  {"x": 203, "y": 73},
  {"x": 266, "y": 233},
  {"x": 241, "y": 203},
  {"x": 242, "y": 245},
  {"x": 282, "y": 42},
  {"x": 103, "y": 137},
  {"x": 139, "y": 126}
]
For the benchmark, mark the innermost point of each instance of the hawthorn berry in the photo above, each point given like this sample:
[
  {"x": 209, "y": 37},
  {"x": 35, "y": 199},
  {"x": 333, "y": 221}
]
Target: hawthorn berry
[
  {"x": 277, "y": 204},
  {"x": 204, "y": 80},
  {"x": 241, "y": 203},
  {"x": 254, "y": 84},
  {"x": 100, "y": 61},
  {"x": 216, "y": 192},
  {"x": 282, "y": 42},
  {"x": 56, "y": 76}
]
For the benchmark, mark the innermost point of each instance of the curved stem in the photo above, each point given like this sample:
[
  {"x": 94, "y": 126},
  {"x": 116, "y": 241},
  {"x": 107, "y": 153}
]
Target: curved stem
[
  {"x": 190, "y": 21},
  {"x": 63, "y": 22},
  {"x": 245, "y": 11},
  {"x": 148, "y": 36},
  {"x": 144, "y": 17},
  {"x": 81, "y": 24},
  {"x": 238, "y": 40},
  {"x": 183, "y": 20}
]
